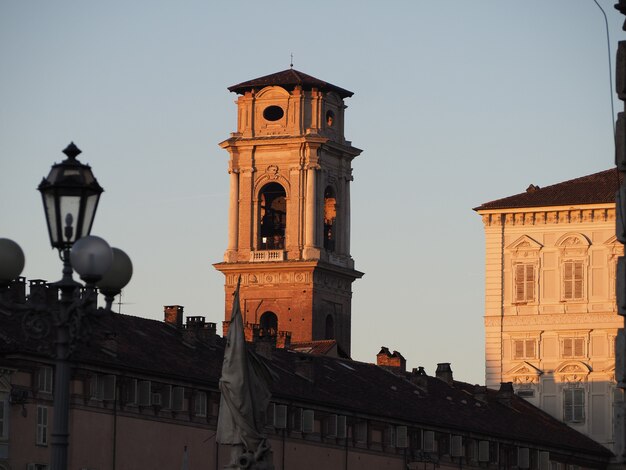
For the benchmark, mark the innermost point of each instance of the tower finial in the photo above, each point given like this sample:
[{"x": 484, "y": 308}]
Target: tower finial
[{"x": 291, "y": 64}]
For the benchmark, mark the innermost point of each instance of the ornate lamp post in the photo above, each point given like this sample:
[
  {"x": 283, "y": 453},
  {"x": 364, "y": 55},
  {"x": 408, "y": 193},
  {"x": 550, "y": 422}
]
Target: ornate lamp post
[{"x": 70, "y": 196}]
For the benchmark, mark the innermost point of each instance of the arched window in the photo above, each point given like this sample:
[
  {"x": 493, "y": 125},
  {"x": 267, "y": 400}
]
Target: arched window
[
  {"x": 269, "y": 323},
  {"x": 329, "y": 332},
  {"x": 272, "y": 217},
  {"x": 330, "y": 217}
]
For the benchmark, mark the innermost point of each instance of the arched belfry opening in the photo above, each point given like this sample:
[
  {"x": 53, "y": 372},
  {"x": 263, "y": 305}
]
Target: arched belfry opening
[
  {"x": 330, "y": 218},
  {"x": 272, "y": 217},
  {"x": 269, "y": 323},
  {"x": 329, "y": 328}
]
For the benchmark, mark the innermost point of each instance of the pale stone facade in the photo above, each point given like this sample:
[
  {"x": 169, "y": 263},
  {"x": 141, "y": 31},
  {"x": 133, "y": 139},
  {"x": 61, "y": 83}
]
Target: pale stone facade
[
  {"x": 289, "y": 217},
  {"x": 550, "y": 312}
]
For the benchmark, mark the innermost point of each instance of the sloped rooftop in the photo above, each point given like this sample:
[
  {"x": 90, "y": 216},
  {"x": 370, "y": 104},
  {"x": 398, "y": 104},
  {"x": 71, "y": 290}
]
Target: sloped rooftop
[
  {"x": 158, "y": 349},
  {"x": 591, "y": 189},
  {"x": 289, "y": 79}
]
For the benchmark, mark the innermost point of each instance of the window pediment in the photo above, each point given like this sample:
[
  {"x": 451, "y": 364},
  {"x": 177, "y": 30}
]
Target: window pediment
[
  {"x": 524, "y": 373},
  {"x": 573, "y": 244},
  {"x": 525, "y": 246},
  {"x": 572, "y": 371}
]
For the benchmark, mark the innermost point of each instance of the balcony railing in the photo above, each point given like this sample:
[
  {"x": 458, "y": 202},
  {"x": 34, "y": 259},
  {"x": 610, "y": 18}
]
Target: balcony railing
[{"x": 263, "y": 256}]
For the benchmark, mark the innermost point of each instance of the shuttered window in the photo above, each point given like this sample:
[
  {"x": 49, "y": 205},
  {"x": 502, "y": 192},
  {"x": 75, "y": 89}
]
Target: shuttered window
[
  {"x": 573, "y": 347},
  {"x": 524, "y": 349},
  {"x": 573, "y": 405},
  {"x": 524, "y": 282},
  {"x": 573, "y": 280}
]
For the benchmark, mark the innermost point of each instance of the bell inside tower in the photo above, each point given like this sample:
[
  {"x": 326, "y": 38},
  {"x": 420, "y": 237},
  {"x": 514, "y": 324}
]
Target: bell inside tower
[
  {"x": 330, "y": 217},
  {"x": 272, "y": 217}
]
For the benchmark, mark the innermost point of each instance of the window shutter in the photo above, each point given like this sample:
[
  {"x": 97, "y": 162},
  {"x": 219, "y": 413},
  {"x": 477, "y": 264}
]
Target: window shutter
[
  {"x": 567, "y": 280},
  {"x": 579, "y": 346},
  {"x": 341, "y": 427},
  {"x": 530, "y": 348},
  {"x": 567, "y": 347},
  {"x": 296, "y": 420},
  {"x": 519, "y": 349},
  {"x": 200, "y": 404},
  {"x": 456, "y": 446},
  {"x": 519, "y": 282},
  {"x": 178, "y": 398},
  {"x": 130, "y": 391},
  {"x": 145, "y": 393},
  {"x": 331, "y": 426},
  {"x": 523, "y": 457},
  {"x": 530, "y": 282},
  {"x": 402, "y": 441},
  {"x": 4, "y": 432},
  {"x": 108, "y": 387},
  {"x": 544, "y": 460},
  {"x": 308, "y": 421},
  {"x": 280, "y": 416},
  {"x": 429, "y": 441},
  {"x": 483, "y": 451},
  {"x": 578, "y": 280},
  {"x": 578, "y": 399},
  {"x": 166, "y": 397},
  {"x": 360, "y": 431}
]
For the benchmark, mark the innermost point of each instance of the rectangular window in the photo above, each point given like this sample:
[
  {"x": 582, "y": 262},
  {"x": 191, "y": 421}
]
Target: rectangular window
[
  {"x": 573, "y": 405},
  {"x": 524, "y": 282},
  {"x": 200, "y": 404},
  {"x": 4, "y": 416},
  {"x": 573, "y": 280},
  {"x": 360, "y": 431},
  {"x": 573, "y": 347},
  {"x": 44, "y": 379},
  {"x": 42, "y": 425},
  {"x": 524, "y": 349}
]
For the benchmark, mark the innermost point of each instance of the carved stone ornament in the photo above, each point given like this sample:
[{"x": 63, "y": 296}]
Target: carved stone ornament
[{"x": 272, "y": 171}]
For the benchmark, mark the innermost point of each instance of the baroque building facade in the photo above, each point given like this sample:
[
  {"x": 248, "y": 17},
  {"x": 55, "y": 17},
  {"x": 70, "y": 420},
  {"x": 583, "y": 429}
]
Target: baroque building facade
[
  {"x": 290, "y": 171},
  {"x": 550, "y": 311}
]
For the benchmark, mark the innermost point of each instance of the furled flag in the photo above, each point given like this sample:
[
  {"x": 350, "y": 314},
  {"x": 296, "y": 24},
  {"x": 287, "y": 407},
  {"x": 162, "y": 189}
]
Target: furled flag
[{"x": 244, "y": 390}]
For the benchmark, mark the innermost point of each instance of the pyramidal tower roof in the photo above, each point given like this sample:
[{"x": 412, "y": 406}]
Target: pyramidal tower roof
[{"x": 289, "y": 79}]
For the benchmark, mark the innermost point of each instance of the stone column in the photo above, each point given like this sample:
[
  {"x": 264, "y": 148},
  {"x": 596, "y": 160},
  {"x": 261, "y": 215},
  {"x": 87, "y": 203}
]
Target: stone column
[
  {"x": 233, "y": 218},
  {"x": 346, "y": 217},
  {"x": 310, "y": 249}
]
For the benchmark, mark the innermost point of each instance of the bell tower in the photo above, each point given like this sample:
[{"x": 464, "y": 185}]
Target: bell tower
[{"x": 290, "y": 170}]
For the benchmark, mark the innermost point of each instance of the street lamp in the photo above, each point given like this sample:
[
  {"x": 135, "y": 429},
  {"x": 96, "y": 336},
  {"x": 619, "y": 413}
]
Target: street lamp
[{"x": 70, "y": 196}]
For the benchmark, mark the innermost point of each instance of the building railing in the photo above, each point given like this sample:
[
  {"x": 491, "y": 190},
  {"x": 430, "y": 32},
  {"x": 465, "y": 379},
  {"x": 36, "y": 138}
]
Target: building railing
[{"x": 262, "y": 256}]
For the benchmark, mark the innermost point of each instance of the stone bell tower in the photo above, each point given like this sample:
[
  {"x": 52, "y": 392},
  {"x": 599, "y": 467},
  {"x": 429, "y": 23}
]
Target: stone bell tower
[{"x": 289, "y": 220}]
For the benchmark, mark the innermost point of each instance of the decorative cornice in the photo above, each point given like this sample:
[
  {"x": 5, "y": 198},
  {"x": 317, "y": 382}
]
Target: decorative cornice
[
  {"x": 548, "y": 216},
  {"x": 555, "y": 319}
]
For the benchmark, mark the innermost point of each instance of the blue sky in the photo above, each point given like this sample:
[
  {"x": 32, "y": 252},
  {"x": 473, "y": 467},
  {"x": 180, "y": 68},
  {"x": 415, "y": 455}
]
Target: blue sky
[{"x": 456, "y": 103}]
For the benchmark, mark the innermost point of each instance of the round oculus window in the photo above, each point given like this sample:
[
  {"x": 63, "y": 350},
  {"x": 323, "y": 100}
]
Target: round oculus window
[{"x": 273, "y": 113}]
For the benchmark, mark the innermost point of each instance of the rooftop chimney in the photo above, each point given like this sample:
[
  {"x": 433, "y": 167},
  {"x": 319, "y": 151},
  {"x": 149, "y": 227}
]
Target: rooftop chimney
[
  {"x": 418, "y": 377},
  {"x": 198, "y": 329},
  {"x": 174, "y": 315},
  {"x": 264, "y": 344},
  {"x": 505, "y": 394},
  {"x": 392, "y": 361},
  {"x": 444, "y": 372},
  {"x": 480, "y": 392}
]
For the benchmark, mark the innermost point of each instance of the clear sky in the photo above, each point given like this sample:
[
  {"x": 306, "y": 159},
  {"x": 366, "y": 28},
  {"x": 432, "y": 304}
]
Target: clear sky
[{"x": 456, "y": 103}]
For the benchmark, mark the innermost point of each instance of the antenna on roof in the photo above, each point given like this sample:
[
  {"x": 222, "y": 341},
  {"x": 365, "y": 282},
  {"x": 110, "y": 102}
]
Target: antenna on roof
[{"x": 291, "y": 63}]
